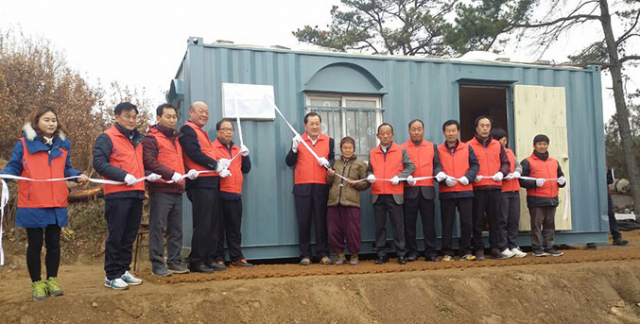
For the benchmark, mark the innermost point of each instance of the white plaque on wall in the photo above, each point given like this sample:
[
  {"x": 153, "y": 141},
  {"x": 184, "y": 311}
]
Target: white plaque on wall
[{"x": 249, "y": 101}]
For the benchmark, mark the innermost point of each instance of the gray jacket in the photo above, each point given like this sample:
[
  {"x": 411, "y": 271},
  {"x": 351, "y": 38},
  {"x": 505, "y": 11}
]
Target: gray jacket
[{"x": 409, "y": 167}]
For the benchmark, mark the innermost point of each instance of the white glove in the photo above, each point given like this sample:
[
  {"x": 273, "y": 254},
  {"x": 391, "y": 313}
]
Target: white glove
[
  {"x": 294, "y": 143},
  {"x": 324, "y": 162},
  {"x": 509, "y": 176},
  {"x": 244, "y": 151},
  {"x": 464, "y": 181},
  {"x": 497, "y": 177},
  {"x": 371, "y": 178},
  {"x": 539, "y": 182},
  {"x": 130, "y": 180},
  {"x": 176, "y": 177},
  {"x": 562, "y": 180},
  {"x": 516, "y": 175},
  {"x": 440, "y": 176},
  {"x": 478, "y": 178},
  {"x": 411, "y": 180},
  {"x": 154, "y": 177},
  {"x": 450, "y": 181},
  {"x": 225, "y": 173},
  {"x": 395, "y": 180},
  {"x": 192, "y": 174},
  {"x": 222, "y": 165}
]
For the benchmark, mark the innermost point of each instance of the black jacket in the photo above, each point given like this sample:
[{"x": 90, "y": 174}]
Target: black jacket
[
  {"x": 101, "y": 155},
  {"x": 191, "y": 147},
  {"x": 533, "y": 201},
  {"x": 471, "y": 175},
  {"x": 427, "y": 192},
  {"x": 304, "y": 189}
]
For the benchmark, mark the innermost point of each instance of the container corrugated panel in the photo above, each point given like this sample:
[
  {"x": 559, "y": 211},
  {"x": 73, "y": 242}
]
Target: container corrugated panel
[{"x": 411, "y": 88}]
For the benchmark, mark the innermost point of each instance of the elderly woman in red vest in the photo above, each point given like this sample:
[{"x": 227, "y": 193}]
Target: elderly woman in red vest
[{"x": 43, "y": 153}]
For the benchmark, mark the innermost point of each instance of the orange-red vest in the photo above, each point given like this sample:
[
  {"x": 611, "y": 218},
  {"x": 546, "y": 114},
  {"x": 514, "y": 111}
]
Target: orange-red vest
[
  {"x": 513, "y": 184},
  {"x": 547, "y": 169},
  {"x": 232, "y": 183},
  {"x": 45, "y": 194},
  {"x": 455, "y": 165},
  {"x": 488, "y": 159},
  {"x": 308, "y": 170},
  {"x": 126, "y": 157},
  {"x": 205, "y": 146},
  {"x": 386, "y": 167},
  {"x": 422, "y": 156},
  {"x": 169, "y": 152}
]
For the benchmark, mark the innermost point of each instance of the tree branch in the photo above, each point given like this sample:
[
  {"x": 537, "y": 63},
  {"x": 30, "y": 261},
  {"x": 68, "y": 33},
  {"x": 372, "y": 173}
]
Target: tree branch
[
  {"x": 629, "y": 58},
  {"x": 628, "y": 34},
  {"x": 559, "y": 20}
]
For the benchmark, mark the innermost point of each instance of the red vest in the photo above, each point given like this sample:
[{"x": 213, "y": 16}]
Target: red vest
[
  {"x": 455, "y": 165},
  {"x": 513, "y": 184},
  {"x": 126, "y": 157},
  {"x": 36, "y": 194},
  {"x": 488, "y": 159},
  {"x": 386, "y": 168},
  {"x": 308, "y": 170},
  {"x": 543, "y": 169},
  {"x": 169, "y": 153},
  {"x": 422, "y": 156},
  {"x": 205, "y": 147},
  {"x": 232, "y": 183}
]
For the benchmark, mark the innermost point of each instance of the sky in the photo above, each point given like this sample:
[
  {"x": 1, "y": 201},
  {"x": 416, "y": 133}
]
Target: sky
[{"x": 140, "y": 43}]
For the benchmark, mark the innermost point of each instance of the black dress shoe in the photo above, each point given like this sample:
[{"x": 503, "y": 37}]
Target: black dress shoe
[
  {"x": 200, "y": 268},
  {"x": 217, "y": 266},
  {"x": 412, "y": 257},
  {"x": 431, "y": 258},
  {"x": 402, "y": 260},
  {"x": 381, "y": 260}
]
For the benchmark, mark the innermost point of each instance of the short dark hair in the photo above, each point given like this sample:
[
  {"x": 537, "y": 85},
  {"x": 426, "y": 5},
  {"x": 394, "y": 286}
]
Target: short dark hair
[
  {"x": 124, "y": 106},
  {"x": 219, "y": 124},
  {"x": 311, "y": 114},
  {"x": 540, "y": 138},
  {"x": 161, "y": 108},
  {"x": 475, "y": 123},
  {"x": 449, "y": 123},
  {"x": 498, "y": 133},
  {"x": 348, "y": 140},
  {"x": 416, "y": 120},
  {"x": 385, "y": 124}
]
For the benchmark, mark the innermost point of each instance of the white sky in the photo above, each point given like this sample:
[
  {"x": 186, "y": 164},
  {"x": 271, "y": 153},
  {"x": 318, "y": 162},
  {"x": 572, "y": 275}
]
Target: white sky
[{"x": 140, "y": 43}]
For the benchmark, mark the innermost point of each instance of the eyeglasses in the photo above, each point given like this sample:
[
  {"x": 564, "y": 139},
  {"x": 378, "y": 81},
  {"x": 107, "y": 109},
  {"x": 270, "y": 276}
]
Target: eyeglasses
[{"x": 227, "y": 129}]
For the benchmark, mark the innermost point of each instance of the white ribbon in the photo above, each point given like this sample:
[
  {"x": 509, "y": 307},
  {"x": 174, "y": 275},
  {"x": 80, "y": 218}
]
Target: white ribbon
[
  {"x": 296, "y": 133},
  {"x": 4, "y": 199}
]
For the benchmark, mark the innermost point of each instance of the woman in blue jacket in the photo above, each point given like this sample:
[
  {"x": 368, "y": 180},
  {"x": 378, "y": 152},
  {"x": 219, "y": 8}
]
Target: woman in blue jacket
[{"x": 43, "y": 153}]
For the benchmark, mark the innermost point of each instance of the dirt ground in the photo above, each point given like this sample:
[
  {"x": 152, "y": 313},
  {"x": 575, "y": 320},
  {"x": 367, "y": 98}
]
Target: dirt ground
[{"x": 582, "y": 286}]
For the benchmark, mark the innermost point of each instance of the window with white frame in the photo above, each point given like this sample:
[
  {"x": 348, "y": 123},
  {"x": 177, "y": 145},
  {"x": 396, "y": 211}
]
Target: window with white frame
[{"x": 356, "y": 116}]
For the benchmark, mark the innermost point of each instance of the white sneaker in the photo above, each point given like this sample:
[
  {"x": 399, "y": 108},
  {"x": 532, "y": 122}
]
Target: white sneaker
[
  {"x": 117, "y": 284},
  {"x": 130, "y": 279},
  {"x": 518, "y": 253},
  {"x": 507, "y": 253}
]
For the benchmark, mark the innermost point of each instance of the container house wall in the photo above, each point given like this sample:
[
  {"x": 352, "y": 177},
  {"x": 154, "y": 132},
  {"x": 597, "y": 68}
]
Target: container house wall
[{"x": 410, "y": 88}]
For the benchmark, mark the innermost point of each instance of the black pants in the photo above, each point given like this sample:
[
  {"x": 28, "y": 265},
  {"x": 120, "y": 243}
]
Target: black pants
[
  {"x": 426, "y": 207},
  {"x": 448, "y": 216},
  {"x": 384, "y": 204},
  {"x": 204, "y": 239},
  {"x": 613, "y": 222},
  {"x": 123, "y": 221},
  {"x": 230, "y": 224},
  {"x": 488, "y": 201},
  {"x": 510, "y": 210},
  {"x": 52, "y": 260},
  {"x": 313, "y": 208}
]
